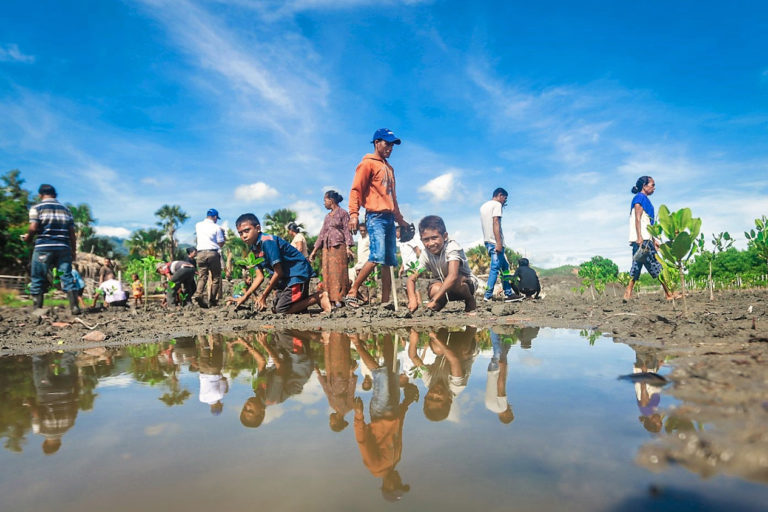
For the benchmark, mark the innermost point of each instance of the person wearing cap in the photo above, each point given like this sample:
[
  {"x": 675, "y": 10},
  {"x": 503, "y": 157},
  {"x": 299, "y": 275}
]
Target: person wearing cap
[
  {"x": 373, "y": 188},
  {"x": 210, "y": 240},
  {"x": 52, "y": 229},
  {"x": 182, "y": 275}
]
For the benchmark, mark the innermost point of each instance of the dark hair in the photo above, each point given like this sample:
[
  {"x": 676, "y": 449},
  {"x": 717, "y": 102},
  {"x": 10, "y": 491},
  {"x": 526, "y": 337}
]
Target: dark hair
[
  {"x": 190, "y": 250},
  {"x": 500, "y": 191},
  {"x": 334, "y": 196},
  {"x": 641, "y": 182},
  {"x": 292, "y": 226},
  {"x": 432, "y": 222},
  {"x": 247, "y": 217},
  {"x": 46, "y": 190},
  {"x": 522, "y": 262}
]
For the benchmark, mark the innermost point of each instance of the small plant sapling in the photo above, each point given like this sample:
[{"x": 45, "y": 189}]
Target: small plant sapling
[
  {"x": 680, "y": 231},
  {"x": 758, "y": 238},
  {"x": 721, "y": 242}
]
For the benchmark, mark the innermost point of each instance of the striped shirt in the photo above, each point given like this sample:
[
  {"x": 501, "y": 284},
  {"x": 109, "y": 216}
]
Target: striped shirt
[{"x": 54, "y": 222}]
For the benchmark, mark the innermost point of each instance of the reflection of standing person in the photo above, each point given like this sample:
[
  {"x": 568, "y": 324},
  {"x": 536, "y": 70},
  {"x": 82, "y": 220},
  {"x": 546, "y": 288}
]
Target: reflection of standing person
[
  {"x": 373, "y": 188},
  {"x": 381, "y": 441},
  {"x": 496, "y": 382},
  {"x": 297, "y": 239},
  {"x": 213, "y": 385},
  {"x": 648, "y": 395},
  {"x": 336, "y": 241},
  {"x": 56, "y": 387},
  {"x": 493, "y": 237},
  {"x": 641, "y": 215},
  {"x": 210, "y": 240},
  {"x": 339, "y": 380},
  {"x": 52, "y": 229}
]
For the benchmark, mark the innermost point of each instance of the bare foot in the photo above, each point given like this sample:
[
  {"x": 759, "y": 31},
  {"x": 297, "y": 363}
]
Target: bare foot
[
  {"x": 673, "y": 296},
  {"x": 325, "y": 302},
  {"x": 470, "y": 304}
]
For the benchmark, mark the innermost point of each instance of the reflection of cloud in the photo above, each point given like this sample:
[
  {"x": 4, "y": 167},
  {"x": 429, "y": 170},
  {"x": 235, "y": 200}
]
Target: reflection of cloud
[
  {"x": 311, "y": 393},
  {"x": 255, "y": 192},
  {"x": 112, "y": 231},
  {"x": 440, "y": 188},
  {"x": 11, "y": 53},
  {"x": 117, "y": 381},
  {"x": 272, "y": 413},
  {"x": 162, "y": 428},
  {"x": 530, "y": 361}
]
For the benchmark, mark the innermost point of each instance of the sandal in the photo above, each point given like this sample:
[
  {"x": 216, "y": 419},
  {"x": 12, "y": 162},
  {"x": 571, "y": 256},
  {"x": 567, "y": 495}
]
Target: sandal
[{"x": 354, "y": 302}]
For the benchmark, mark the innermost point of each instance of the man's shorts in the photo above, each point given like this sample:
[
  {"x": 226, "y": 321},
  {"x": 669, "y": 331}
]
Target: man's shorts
[
  {"x": 289, "y": 295},
  {"x": 381, "y": 232},
  {"x": 464, "y": 279}
]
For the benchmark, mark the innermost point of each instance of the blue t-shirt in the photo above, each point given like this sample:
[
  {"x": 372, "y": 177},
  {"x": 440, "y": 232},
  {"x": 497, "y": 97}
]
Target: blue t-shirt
[
  {"x": 273, "y": 249},
  {"x": 643, "y": 201},
  {"x": 79, "y": 281}
]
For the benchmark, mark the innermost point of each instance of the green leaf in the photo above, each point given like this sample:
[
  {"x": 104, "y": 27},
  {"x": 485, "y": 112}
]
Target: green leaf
[
  {"x": 666, "y": 252},
  {"x": 664, "y": 220},
  {"x": 681, "y": 246},
  {"x": 695, "y": 225}
]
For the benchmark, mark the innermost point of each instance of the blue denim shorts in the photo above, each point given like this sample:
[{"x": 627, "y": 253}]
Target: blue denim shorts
[{"x": 381, "y": 231}]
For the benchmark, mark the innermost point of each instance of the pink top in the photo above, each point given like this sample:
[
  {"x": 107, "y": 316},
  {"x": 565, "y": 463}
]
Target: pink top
[{"x": 335, "y": 230}]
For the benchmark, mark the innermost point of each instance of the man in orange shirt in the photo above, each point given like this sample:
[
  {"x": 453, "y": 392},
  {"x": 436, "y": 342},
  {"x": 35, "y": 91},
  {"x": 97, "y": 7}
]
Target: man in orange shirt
[{"x": 374, "y": 189}]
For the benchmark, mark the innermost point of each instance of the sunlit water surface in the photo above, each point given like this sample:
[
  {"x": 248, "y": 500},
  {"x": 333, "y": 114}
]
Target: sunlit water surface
[{"x": 519, "y": 419}]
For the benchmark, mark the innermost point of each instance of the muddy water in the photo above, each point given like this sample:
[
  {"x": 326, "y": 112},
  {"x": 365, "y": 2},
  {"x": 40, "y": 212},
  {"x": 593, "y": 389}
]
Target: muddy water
[{"x": 524, "y": 419}]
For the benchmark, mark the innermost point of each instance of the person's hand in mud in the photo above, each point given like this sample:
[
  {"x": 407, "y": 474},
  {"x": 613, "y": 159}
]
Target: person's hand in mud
[
  {"x": 261, "y": 303},
  {"x": 432, "y": 305},
  {"x": 358, "y": 407},
  {"x": 411, "y": 394}
]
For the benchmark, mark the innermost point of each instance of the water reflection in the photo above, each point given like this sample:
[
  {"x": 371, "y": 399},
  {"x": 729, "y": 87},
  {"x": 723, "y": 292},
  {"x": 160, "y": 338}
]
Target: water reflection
[{"x": 297, "y": 392}]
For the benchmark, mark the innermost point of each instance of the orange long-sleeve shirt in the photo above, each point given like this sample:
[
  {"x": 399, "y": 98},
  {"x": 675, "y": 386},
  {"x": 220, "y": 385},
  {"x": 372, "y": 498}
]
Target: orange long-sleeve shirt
[{"x": 373, "y": 188}]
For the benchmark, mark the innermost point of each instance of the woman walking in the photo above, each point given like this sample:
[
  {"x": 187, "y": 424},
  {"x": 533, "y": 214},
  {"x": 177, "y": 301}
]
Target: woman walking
[
  {"x": 335, "y": 240},
  {"x": 644, "y": 246}
]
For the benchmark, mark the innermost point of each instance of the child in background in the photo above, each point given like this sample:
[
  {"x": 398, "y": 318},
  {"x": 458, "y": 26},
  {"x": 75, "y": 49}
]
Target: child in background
[
  {"x": 80, "y": 287},
  {"x": 138, "y": 290},
  {"x": 445, "y": 259}
]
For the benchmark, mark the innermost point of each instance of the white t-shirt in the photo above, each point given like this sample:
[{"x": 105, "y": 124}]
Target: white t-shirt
[
  {"x": 209, "y": 234},
  {"x": 300, "y": 242},
  {"x": 494, "y": 402},
  {"x": 488, "y": 211},
  {"x": 212, "y": 388},
  {"x": 408, "y": 251},
  {"x": 438, "y": 263},
  {"x": 113, "y": 290},
  {"x": 645, "y": 221},
  {"x": 363, "y": 251}
]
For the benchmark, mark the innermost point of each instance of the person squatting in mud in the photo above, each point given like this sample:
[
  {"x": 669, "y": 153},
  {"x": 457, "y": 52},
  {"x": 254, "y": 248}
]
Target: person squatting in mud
[
  {"x": 373, "y": 188},
  {"x": 444, "y": 258},
  {"x": 290, "y": 271}
]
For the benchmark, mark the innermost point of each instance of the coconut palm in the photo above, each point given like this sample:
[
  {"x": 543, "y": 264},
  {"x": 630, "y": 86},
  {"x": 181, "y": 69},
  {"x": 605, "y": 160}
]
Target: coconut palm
[
  {"x": 145, "y": 242},
  {"x": 170, "y": 218},
  {"x": 276, "y": 222},
  {"x": 83, "y": 222}
]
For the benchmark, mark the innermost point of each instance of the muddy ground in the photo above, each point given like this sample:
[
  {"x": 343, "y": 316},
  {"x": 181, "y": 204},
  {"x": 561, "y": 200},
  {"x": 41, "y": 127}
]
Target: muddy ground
[{"x": 718, "y": 352}]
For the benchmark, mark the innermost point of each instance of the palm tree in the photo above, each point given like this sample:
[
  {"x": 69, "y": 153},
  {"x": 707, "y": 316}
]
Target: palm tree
[
  {"x": 83, "y": 222},
  {"x": 276, "y": 221},
  {"x": 170, "y": 218},
  {"x": 145, "y": 242}
]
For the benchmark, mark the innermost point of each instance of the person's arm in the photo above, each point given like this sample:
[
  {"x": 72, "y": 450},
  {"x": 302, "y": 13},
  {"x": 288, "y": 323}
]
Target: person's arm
[
  {"x": 410, "y": 288},
  {"x": 638, "y": 210},
  {"x": 73, "y": 241},
  {"x": 413, "y": 345},
  {"x": 254, "y": 286},
  {"x": 497, "y": 234},
  {"x": 29, "y": 236},
  {"x": 343, "y": 223},
  {"x": 450, "y": 281},
  {"x": 398, "y": 216},
  {"x": 360, "y": 185},
  {"x": 277, "y": 275}
]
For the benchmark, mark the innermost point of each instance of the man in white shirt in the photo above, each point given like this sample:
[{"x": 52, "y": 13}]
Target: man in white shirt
[
  {"x": 113, "y": 291},
  {"x": 210, "y": 240},
  {"x": 493, "y": 237}
]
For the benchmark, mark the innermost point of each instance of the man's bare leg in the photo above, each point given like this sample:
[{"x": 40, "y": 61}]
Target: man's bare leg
[
  {"x": 361, "y": 277},
  {"x": 316, "y": 298}
]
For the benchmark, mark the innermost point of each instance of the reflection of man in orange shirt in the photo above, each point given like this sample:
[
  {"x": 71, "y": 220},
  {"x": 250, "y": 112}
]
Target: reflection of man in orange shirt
[{"x": 381, "y": 441}]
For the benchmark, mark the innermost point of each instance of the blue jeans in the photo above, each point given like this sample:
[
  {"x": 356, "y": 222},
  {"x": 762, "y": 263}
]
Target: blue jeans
[
  {"x": 381, "y": 232},
  {"x": 386, "y": 393},
  {"x": 498, "y": 263},
  {"x": 45, "y": 259}
]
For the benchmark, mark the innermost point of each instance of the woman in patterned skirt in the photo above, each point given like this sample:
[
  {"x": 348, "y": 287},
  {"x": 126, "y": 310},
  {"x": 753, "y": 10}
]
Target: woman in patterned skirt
[{"x": 335, "y": 240}]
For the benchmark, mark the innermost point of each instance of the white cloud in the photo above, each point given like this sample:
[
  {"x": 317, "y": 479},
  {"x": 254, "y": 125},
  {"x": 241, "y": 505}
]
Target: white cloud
[
  {"x": 440, "y": 188},
  {"x": 311, "y": 214},
  {"x": 255, "y": 192},
  {"x": 150, "y": 181},
  {"x": 112, "y": 231},
  {"x": 11, "y": 53}
]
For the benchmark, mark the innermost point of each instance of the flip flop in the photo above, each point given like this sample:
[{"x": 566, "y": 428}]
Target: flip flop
[{"x": 354, "y": 302}]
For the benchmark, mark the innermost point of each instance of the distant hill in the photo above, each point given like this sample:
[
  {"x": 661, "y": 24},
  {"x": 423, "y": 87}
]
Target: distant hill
[{"x": 557, "y": 271}]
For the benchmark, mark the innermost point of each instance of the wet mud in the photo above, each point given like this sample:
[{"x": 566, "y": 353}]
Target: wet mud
[{"x": 718, "y": 353}]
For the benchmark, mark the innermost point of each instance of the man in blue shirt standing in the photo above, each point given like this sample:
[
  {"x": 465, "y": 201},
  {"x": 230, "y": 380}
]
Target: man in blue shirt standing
[
  {"x": 52, "y": 229},
  {"x": 291, "y": 271}
]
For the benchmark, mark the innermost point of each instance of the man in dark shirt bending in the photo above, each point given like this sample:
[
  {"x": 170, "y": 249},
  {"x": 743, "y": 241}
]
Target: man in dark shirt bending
[{"x": 525, "y": 281}]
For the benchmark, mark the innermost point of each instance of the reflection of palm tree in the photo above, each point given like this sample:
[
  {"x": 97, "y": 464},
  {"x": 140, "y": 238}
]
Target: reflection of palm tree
[
  {"x": 170, "y": 218},
  {"x": 174, "y": 396},
  {"x": 145, "y": 242},
  {"x": 276, "y": 221}
]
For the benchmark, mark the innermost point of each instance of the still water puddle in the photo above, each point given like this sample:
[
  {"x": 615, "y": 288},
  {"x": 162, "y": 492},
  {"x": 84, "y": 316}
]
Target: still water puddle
[{"x": 516, "y": 419}]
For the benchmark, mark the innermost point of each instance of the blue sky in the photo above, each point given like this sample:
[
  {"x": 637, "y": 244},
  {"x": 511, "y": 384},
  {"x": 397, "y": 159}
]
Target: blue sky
[{"x": 248, "y": 105}]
